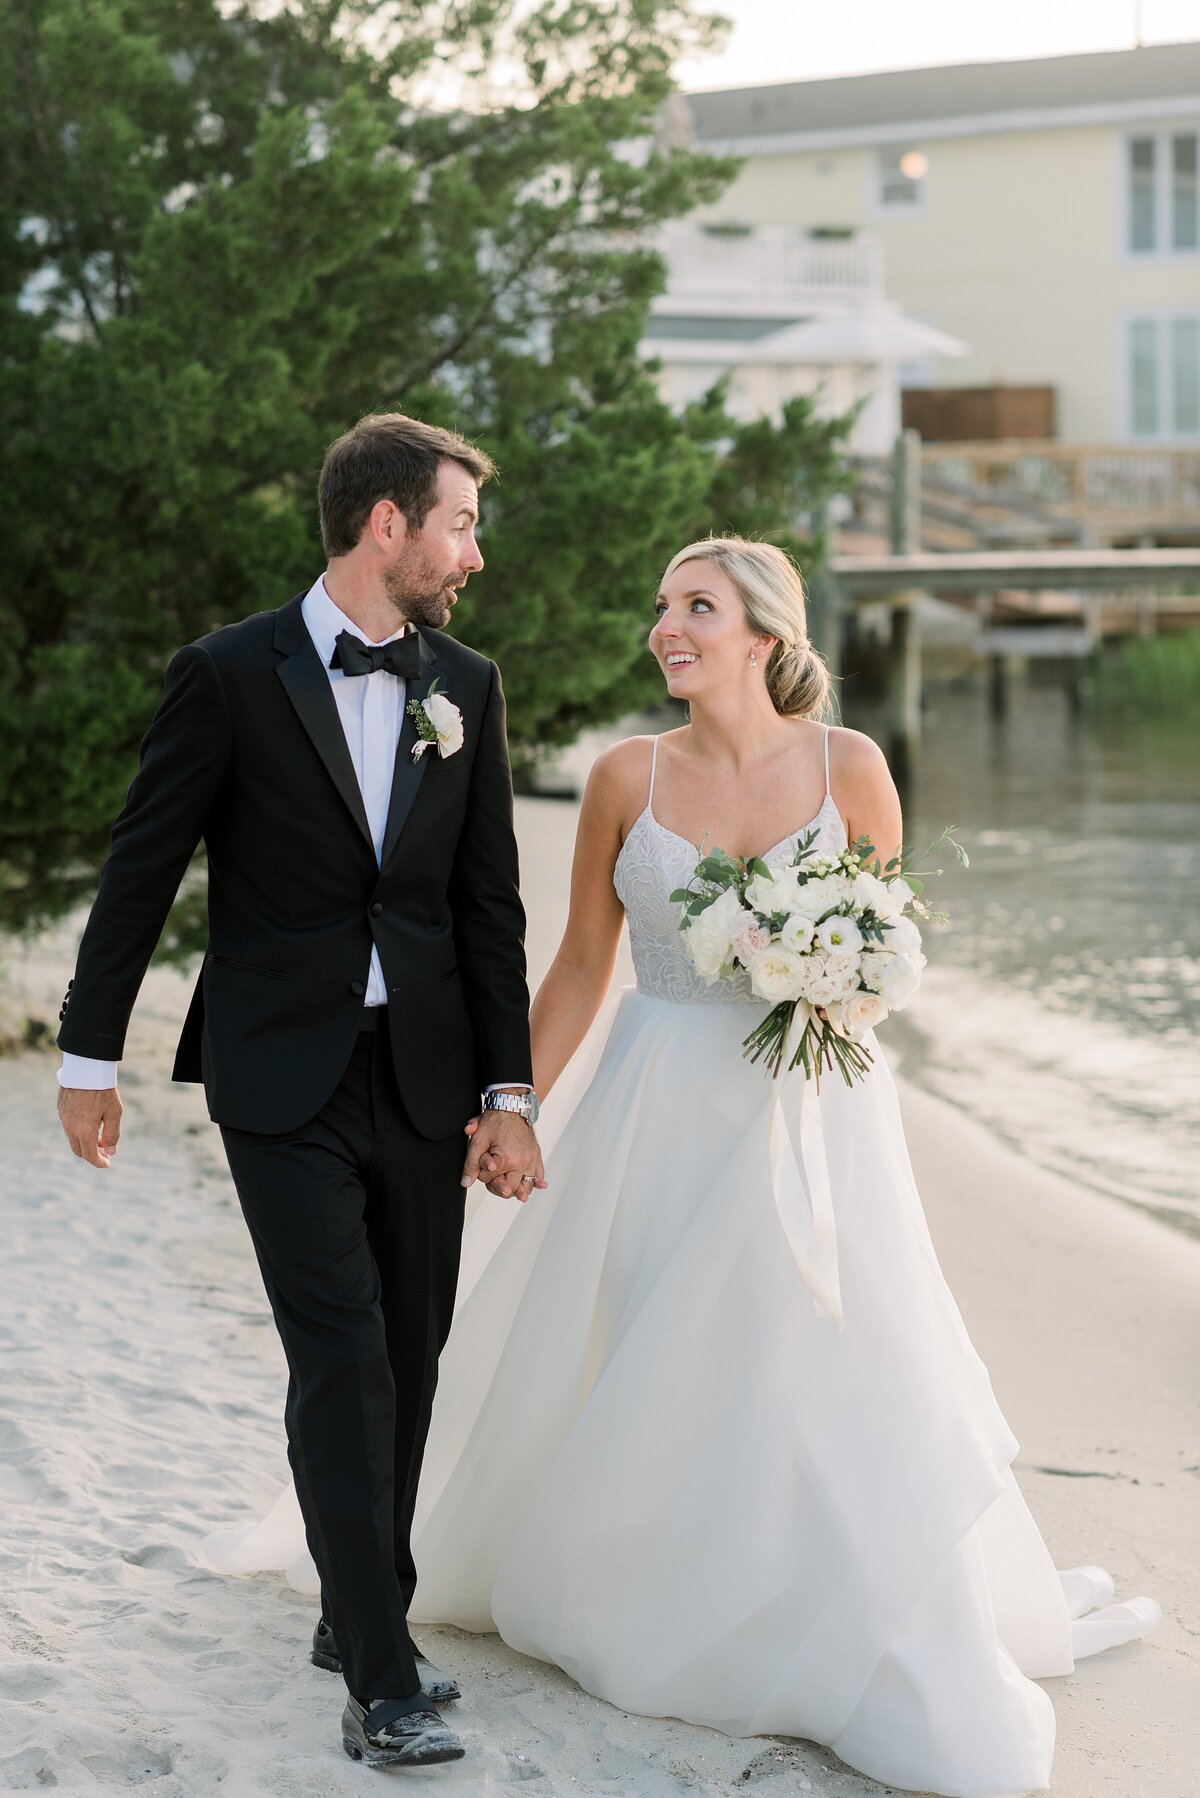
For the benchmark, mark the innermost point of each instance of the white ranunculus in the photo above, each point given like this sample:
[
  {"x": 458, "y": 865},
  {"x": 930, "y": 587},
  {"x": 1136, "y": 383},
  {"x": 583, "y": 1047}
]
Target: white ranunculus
[
  {"x": 827, "y": 978},
  {"x": 749, "y": 938},
  {"x": 776, "y": 974},
  {"x": 709, "y": 936},
  {"x": 841, "y": 886},
  {"x": 839, "y": 936},
  {"x": 857, "y": 1013},
  {"x": 902, "y": 934},
  {"x": 446, "y": 720},
  {"x": 899, "y": 979},
  {"x": 797, "y": 933}
]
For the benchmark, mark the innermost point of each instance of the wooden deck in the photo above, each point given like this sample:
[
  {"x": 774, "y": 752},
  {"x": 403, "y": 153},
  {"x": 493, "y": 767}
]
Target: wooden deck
[{"x": 984, "y": 571}]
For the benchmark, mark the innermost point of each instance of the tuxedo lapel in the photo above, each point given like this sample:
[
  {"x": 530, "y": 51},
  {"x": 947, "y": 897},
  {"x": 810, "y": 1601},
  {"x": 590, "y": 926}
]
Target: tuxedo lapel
[
  {"x": 307, "y": 686},
  {"x": 407, "y": 774}
]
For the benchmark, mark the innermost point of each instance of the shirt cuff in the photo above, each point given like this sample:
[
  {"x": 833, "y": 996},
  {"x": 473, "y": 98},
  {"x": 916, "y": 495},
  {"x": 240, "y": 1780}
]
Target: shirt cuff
[
  {"x": 508, "y": 1085},
  {"x": 85, "y": 1074}
]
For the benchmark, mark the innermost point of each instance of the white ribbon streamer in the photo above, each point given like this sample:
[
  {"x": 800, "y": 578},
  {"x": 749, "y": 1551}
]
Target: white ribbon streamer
[{"x": 802, "y": 1192}]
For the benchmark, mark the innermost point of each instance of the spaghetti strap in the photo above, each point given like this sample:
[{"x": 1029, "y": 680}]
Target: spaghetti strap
[
  {"x": 828, "y": 795},
  {"x": 653, "y": 765}
]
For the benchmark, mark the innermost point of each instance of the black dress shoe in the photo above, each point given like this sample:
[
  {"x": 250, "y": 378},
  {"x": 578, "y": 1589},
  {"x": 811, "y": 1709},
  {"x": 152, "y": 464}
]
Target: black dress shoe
[
  {"x": 383, "y": 1734},
  {"x": 438, "y": 1687}
]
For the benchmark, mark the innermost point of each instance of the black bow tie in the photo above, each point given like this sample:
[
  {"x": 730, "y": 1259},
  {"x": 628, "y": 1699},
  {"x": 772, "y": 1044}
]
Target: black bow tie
[{"x": 402, "y": 657}]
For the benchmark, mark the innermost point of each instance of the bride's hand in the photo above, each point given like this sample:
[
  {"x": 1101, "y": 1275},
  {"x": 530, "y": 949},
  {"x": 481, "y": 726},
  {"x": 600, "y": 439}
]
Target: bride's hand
[{"x": 510, "y": 1165}]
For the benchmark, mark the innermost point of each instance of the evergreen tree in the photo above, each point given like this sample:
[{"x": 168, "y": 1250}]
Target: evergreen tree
[{"x": 229, "y": 230}]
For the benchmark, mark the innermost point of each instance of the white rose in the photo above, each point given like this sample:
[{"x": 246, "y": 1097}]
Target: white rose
[
  {"x": 902, "y": 894},
  {"x": 813, "y": 898},
  {"x": 902, "y": 934},
  {"x": 873, "y": 894},
  {"x": 839, "y": 936},
  {"x": 871, "y": 968},
  {"x": 446, "y": 720},
  {"x": 709, "y": 936},
  {"x": 765, "y": 893},
  {"x": 776, "y": 974},
  {"x": 797, "y": 933},
  {"x": 857, "y": 1013},
  {"x": 899, "y": 979}
]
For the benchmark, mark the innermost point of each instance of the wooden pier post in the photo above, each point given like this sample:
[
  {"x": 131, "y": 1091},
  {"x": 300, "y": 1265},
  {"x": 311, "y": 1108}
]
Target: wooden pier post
[
  {"x": 823, "y": 598},
  {"x": 903, "y": 671},
  {"x": 903, "y": 688}
]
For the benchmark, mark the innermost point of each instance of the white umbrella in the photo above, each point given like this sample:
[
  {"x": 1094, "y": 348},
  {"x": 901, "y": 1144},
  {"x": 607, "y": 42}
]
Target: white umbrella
[{"x": 864, "y": 334}]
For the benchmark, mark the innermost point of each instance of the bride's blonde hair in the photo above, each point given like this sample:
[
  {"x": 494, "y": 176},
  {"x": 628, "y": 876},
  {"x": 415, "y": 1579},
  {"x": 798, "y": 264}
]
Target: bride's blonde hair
[{"x": 771, "y": 590}]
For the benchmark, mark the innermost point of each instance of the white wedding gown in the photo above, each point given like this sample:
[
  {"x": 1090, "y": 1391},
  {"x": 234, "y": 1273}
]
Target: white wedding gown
[{"x": 657, "y": 1462}]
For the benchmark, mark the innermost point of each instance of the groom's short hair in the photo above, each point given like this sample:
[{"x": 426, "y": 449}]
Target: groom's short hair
[{"x": 388, "y": 456}]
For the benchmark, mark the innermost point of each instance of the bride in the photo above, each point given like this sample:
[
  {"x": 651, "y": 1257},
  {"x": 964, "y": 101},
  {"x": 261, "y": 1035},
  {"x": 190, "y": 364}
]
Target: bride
[{"x": 711, "y": 1475}]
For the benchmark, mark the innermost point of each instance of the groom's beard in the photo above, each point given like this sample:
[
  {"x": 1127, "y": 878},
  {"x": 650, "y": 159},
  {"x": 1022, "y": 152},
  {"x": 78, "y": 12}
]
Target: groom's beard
[{"x": 417, "y": 594}]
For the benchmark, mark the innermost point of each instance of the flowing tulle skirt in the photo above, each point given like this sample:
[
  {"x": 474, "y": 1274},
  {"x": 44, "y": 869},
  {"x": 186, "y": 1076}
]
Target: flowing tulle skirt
[{"x": 654, "y": 1464}]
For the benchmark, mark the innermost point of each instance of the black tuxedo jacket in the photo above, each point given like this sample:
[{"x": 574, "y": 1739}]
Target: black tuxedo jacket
[{"x": 247, "y": 752}]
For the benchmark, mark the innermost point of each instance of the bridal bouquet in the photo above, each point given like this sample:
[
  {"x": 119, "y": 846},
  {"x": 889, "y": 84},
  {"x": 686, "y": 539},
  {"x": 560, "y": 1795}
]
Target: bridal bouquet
[{"x": 831, "y": 937}]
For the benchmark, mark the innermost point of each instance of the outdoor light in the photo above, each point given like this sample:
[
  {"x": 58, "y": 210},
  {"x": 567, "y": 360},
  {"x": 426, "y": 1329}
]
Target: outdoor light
[{"x": 913, "y": 164}]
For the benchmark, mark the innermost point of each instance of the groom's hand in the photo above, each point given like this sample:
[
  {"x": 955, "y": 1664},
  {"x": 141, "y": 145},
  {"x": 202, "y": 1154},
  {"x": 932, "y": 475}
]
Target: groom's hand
[
  {"x": 91, "y": 1121},
  {"x": 504, "y": 1154}
]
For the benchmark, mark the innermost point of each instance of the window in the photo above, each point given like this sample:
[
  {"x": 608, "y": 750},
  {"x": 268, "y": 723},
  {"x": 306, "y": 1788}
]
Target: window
[
  {"x": 1185, "y": 376},
  {"x": 1141, "y": 193},
  {"x": 1185, "y": 224},
  {"x": 1164, "y": 375},
  {"x": 1164, "y": 194},
  {"x": 902, "y": 169},
  {"x": 1143, "y": 345}
]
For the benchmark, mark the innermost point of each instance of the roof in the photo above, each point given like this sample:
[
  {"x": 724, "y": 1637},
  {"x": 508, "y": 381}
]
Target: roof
[{"x": 1154, "y": 79}]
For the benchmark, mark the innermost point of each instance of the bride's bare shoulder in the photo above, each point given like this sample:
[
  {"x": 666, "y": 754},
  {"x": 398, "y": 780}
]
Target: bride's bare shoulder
[
  {"x": 623, "y": 767},
  {"x": 619, "y": 782},
  {"x": 855, "y": 759}
]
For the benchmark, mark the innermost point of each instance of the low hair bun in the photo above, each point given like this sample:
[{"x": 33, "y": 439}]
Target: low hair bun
[{"x": 798, "y": 680}]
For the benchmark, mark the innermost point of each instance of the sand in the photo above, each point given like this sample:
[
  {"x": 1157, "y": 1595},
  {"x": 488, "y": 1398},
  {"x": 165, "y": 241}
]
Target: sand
[{"x": 140, "y": 1390}]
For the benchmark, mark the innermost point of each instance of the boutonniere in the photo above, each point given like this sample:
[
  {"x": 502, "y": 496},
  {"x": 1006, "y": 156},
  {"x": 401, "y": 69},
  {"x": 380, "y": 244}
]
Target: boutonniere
[{"x": 438, "y": 721}]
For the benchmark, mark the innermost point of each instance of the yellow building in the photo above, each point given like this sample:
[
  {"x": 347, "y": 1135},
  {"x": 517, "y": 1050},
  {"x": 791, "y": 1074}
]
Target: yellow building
[{"x": 1046, "y": 213}]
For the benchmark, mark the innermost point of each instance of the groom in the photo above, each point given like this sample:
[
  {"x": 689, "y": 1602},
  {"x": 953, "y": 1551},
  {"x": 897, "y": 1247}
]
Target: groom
[{"x": 346, "y": 765}]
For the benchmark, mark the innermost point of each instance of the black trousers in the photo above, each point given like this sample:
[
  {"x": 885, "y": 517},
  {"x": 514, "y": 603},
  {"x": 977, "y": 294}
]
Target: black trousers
[{"x": 357, "y": 1225}]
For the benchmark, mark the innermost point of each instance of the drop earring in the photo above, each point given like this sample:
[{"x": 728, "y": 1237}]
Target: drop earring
[{"x": 753, "y": 659}]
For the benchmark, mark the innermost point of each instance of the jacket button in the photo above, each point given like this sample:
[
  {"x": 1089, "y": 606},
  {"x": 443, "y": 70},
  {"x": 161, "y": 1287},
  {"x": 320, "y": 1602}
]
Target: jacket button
[
  {"x": 357, "y": 988},
  {"x": 376, "y": 909}
]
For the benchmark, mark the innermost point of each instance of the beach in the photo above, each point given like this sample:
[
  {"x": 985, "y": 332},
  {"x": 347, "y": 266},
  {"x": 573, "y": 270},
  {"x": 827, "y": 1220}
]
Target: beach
[{"x": 141, "y": 1388}]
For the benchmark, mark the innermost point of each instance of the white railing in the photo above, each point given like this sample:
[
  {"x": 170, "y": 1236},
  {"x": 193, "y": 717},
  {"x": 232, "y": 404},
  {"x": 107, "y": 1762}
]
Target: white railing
[{"x": 767, "y": 267}]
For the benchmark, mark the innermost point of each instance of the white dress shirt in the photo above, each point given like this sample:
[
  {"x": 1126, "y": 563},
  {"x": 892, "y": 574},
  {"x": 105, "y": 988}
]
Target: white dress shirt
[{"x": 371, "y": 709}]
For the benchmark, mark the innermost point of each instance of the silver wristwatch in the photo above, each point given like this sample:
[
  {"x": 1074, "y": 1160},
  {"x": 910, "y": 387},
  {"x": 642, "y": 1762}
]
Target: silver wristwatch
[{"x": 524, "y": 1104}]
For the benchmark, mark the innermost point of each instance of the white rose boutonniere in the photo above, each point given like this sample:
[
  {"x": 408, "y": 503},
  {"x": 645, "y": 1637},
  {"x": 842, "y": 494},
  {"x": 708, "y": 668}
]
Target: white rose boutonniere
[{"x": 438, "y": 721}]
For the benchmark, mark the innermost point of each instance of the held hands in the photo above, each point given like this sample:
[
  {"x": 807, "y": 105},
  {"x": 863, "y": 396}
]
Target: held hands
[
  {"x": 92, "y": 1122},
  {"x": 504, "y": 1154}
]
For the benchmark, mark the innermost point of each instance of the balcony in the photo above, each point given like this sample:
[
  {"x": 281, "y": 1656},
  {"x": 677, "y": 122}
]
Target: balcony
[{"x": 766, "y": 270}]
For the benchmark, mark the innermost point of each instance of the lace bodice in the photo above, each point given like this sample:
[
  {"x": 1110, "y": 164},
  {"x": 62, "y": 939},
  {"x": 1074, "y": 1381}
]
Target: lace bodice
[{"x": 652, "y": 864}]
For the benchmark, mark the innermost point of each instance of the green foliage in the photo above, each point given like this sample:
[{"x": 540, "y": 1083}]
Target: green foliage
[
  {"x": 1153, "y": 676},
  {"x": 230, "y": 229}
]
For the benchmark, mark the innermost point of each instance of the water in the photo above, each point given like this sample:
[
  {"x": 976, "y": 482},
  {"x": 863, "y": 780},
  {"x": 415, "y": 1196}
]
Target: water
[{"x": 1061, "y": 1001}]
